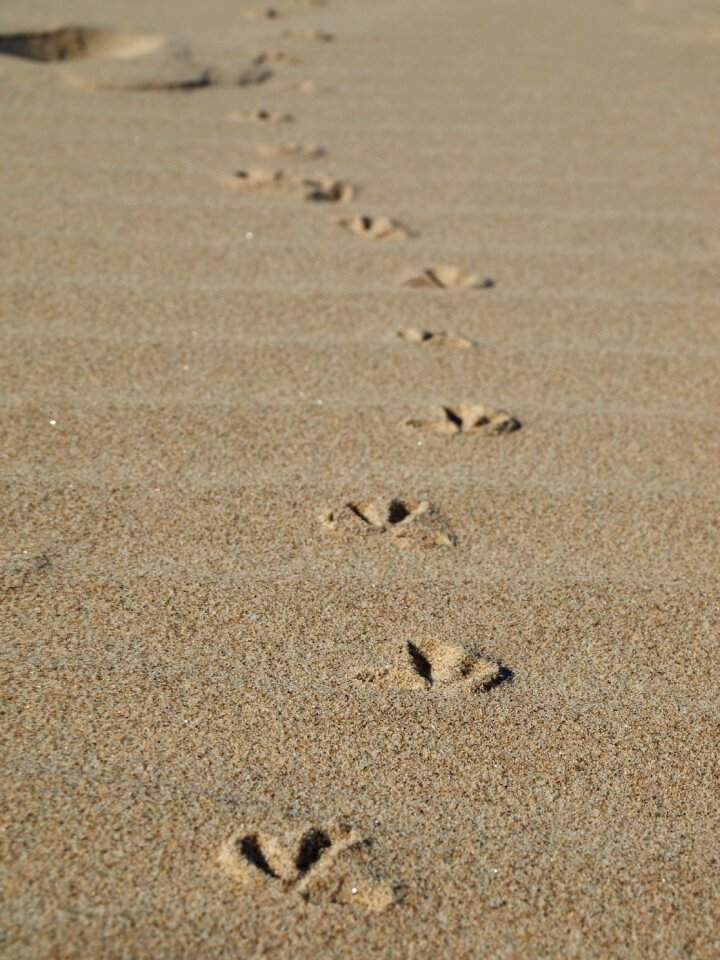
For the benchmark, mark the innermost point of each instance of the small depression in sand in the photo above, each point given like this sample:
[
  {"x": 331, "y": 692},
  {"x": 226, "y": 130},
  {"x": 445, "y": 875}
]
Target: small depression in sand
[
  {"x": 475, "y": 418},
  {"x": 447, "y": 667},
  {"x": 78, "y": 43},
  {"x": 440, "y": 338},
  {"x": 332, "y": 864},
  {"x": 406, "y": 522},
  {"x": 317, "y": 189},
  {"x": 374, "y": 228},
  {"x": 445, "y": 277}
]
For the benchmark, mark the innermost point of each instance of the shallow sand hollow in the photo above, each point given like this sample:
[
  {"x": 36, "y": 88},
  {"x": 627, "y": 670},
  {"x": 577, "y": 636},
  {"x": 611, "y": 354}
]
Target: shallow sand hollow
[{"x": 360, "y": 478}]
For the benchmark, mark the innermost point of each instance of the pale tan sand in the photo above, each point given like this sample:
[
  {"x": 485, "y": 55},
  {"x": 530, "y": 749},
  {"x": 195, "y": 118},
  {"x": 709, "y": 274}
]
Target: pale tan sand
[{"x": 286, "y": 678}]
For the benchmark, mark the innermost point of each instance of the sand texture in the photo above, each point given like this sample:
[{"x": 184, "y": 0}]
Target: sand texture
[{"x": 359, "y": 511}]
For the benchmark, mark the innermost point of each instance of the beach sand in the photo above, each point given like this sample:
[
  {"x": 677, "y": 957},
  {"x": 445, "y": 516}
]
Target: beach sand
[{"x": 360, "y": 478}]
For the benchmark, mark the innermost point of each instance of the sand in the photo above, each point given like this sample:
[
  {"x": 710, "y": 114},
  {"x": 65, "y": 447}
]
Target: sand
[{"x": 360, "y": 546}]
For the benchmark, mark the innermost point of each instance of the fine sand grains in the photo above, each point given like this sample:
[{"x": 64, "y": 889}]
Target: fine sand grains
[{"x": 360, "y": 597}]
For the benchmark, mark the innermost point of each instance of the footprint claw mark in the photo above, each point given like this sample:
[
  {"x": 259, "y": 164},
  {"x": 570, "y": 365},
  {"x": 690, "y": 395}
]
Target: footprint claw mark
[
  {"x": 251, "y": 850},
  {"x": 293, "y": 151},
  {"x": 327, "y": 190},
  {"x": 442, "y": 338},
  {"x": 387, "y": 516},
  {"x": 312, "y": 847},
  {"x": 410, "y": 522},
  {"x": 420, "y": 663},
  {"x": 450, "y": 668},
  {"x": 453, "y": 666},
  {"x": 374, "y": 228},
  {"x": 78, "y": 43},
  {"x": 260, "y": 116},
  {"x": 445, "y": 277},
  {"x": 466, "y": 418},
  {"x": 330, "y": 863}
]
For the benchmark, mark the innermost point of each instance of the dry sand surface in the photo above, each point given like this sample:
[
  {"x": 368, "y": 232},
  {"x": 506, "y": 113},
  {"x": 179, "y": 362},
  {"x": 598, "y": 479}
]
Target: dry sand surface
[{"x": 360, "y": 471}]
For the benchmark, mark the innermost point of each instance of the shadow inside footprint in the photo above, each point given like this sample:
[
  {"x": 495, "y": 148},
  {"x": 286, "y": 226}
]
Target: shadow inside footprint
[
  {"x": 311, "y": 849},
  {"x": 203, "y": 80},
  {"x": 327, "y": 190},
  {"x": 374, "y": 228},
  {"x": 78, "y": 43},
  {"x": 267, "y": 13},
  {"x": 331, "y": 863},
  {"x": 420, "y": 663},
  {"x": 98, "y": 60},
  {"x": 445, "y": 666},
  {"x": 398, "y": 511},
  {"x": 466, "y": 418},
  {"x": 445, "y": 277},
  {"x": 442, "y": 338},
  {"x": 406, "y": 522},
  {"x": 250, "y": 849}
]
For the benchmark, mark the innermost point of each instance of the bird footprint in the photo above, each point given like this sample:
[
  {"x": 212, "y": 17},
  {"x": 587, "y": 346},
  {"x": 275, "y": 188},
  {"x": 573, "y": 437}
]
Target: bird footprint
[
  {"x": 374, "y": 228},
  {"x": 473, "y": 418},
  {"x": 330, "y": 863},
  {"x": 442, "y": 338},
  {"x": 446, "y": 277},
  {"x": 406, "y": 521},
  {"x": 315, "y": 189},
  {"x": 449, "y": 667}
]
